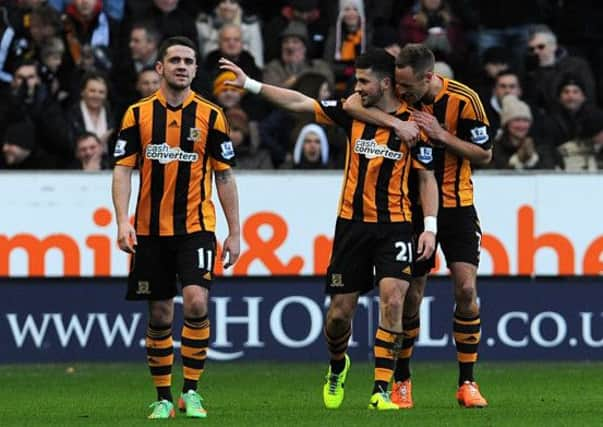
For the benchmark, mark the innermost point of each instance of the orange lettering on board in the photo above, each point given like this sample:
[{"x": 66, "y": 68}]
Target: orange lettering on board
[
  {"x": 101, "y": 244},
  {"x": 498, "y": 254},
  {"x": 37, "y": 249},
  {"x": 529, "y": 244},
  {"x": 265, "y": 250},
  {"x": 592, "y": 263},
  {"x": 322, "y": 254}
]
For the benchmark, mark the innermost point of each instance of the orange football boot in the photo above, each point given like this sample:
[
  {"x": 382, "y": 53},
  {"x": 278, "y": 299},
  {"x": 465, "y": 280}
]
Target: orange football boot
[
  {"x": 468, "y": 396},
  {"x": 402, "y": 394}
]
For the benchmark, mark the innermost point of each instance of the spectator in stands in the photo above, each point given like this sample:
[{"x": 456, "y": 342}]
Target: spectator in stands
[
  {"x": 230, "y": 46},
  {"x": 293, "y": 60},
  {"x": 89, "y": 30},
  {"x": 19, "y": 148},
  {"x": 89, "y": 153},
  {"x": 30, "y": 100},
  {"x": 143, "y": 50},
  {"x": 230, "y": 12},
  {"x": 547, "y": 65},
  {"x": 249, "y": 154},
  {"x": 276, "y": 129},
  {"x": 51, "y": 60},
  {"x": 45, "y": 23},
  {"x": 576, "y": 127},
  {"x": 305, "y": 11},
  {"x": 113, "y": 8},
  {"x": 506, "y": 23},
  {"x": 494, "y": 61},
  {"x": 581, "y": 33},
  {"x": 92, "y": 113},
  {"x": 506, "y": 83},
  {"x": 346, "y": 40},
  {"x": 147, "y": 82},
  {"x": 311, "y": 150},
  {"x": 433, "y": 24},
  {"x": 514, "y": 148},
  {"x": 168, "y": 18}
]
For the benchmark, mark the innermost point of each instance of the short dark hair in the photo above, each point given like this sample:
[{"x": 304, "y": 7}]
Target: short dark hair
[
  {"x": 93, "y": 75},
  {"x": 416, "y": 56},
  {"x": 151, "y": 30},
  {"x": 379, "y": 61},
  {"x": 175, "y": 41},
  {"x": 86, "y": 135},
  {"x": 507, "y": 72}
]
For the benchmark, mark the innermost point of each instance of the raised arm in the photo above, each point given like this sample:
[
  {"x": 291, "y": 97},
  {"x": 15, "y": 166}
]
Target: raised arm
[
  {"x": 121, "y": 189},
  {"x": 229, "y": 199},
  {"x": 428, "y": 194},
  {"x": 407, "y": 131},
  {"x": 285, "y": 98}
]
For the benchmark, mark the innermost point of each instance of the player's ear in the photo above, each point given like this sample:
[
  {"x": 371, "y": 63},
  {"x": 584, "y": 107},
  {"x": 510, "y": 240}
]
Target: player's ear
[
  {"x": 428, "y": 76},
  {"x": 159, "y": 67}
]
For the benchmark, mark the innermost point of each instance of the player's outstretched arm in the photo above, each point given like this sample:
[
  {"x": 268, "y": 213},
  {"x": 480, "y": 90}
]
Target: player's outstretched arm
[
  {"x": 407, "y": 131},
  {"x": 428, "y": 193},
  {"x": 229, "y": 199},
  {"x": 121, "y": 189},
  {"x": 285, "y": 98},
  {"x": 472, "y": 152}
]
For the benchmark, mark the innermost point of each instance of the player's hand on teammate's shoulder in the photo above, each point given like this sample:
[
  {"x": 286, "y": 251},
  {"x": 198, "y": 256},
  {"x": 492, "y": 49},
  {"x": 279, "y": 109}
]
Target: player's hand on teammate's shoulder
[
  {"x": 126, "y": 237},
  {"x": 407, "y": 131},
  {"x": 429, "y": 124},
  {"x": 226, "y": 65},
  {"x": 426, "y": 245}
]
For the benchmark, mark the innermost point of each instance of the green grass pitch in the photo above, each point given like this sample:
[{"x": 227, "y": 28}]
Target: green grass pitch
[{"x": 278, "y": 394}]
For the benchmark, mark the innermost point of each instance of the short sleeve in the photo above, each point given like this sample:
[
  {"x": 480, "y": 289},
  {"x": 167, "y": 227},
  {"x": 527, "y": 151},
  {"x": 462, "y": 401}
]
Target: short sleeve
[
  {"x": 330, "y": 111},
  {"x": 422, "y": 156},
  {"x": 127, "y": 146},
  {"x": 474, "y": 126},
  {"x": 221, "y": 148}
]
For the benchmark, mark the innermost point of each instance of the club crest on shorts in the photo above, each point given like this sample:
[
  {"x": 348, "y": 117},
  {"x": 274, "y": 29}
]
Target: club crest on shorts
[
  {"x": 144, "y": 288},
  {"x": 336, "y": 280},
  {"x": 194, "y": 134}
]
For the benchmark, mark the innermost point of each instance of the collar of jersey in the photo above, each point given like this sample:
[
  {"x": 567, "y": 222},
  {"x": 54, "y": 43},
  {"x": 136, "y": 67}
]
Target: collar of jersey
[{"x": 187, "y": 101}]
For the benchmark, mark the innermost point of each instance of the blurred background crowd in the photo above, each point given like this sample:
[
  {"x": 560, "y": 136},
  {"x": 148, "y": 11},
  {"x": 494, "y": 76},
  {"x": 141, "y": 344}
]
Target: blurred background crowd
[{"x": 70, "y": 68}]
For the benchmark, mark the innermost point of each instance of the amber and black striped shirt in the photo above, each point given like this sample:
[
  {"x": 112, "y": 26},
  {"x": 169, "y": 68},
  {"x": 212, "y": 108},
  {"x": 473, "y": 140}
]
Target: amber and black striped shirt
[
  {"x": 460, "y": 111},
  {"x": 377, "y": 167},
  {"x": 176, "y": 150}
]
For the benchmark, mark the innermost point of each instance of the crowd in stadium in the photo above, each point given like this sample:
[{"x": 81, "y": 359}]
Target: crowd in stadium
[{"x": 70, "y": 68}]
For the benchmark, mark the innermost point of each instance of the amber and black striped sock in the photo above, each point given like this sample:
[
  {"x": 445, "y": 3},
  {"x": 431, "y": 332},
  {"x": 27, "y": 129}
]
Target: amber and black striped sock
[
  {"x": 160, "y": 358},
  {"x": 337, "y": 347},
  {"x": 195, "y": 340},
  {"x": 384, "y": 358},
  {"x": 411, "y": 328},
  {"x": 467, "y": 335}
]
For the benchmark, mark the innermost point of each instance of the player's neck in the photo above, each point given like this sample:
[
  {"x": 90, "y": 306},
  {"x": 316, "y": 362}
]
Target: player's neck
[
  {"x": 389, "y": 103},
  {"x": 175, "y": 97},
  {"x": 435, "y": 86}
]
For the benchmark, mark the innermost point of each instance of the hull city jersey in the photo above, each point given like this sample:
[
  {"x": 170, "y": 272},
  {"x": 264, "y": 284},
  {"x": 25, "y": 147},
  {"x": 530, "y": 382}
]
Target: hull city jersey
[
  {"x": 459, "y": 111},
  {"x": 176, "y": 150},
  {"x": 377, "y": 166}
]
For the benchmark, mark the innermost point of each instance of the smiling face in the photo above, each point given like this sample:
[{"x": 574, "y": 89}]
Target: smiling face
[
  {"x": 94, "y": 94},
  {"x": 412, "y": 87},
  {"x": 368, "y": 86},
  {"x": 178, "y": 67}
]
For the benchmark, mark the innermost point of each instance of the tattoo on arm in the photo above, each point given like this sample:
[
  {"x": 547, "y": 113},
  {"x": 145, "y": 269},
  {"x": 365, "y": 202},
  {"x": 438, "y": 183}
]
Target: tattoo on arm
[{"x": 223, "y": 177}]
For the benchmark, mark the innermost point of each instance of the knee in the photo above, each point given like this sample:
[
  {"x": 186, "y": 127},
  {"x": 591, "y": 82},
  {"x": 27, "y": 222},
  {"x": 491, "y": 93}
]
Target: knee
[
  {"x": 465, "y": 295},
  {"x": 339, "y": 319},
  {"x": 160, "y": 314},
  {"x": 196, "y": 307},
  {"x": 413, "y": 300},
  {"x": 392, "y": 307}
]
